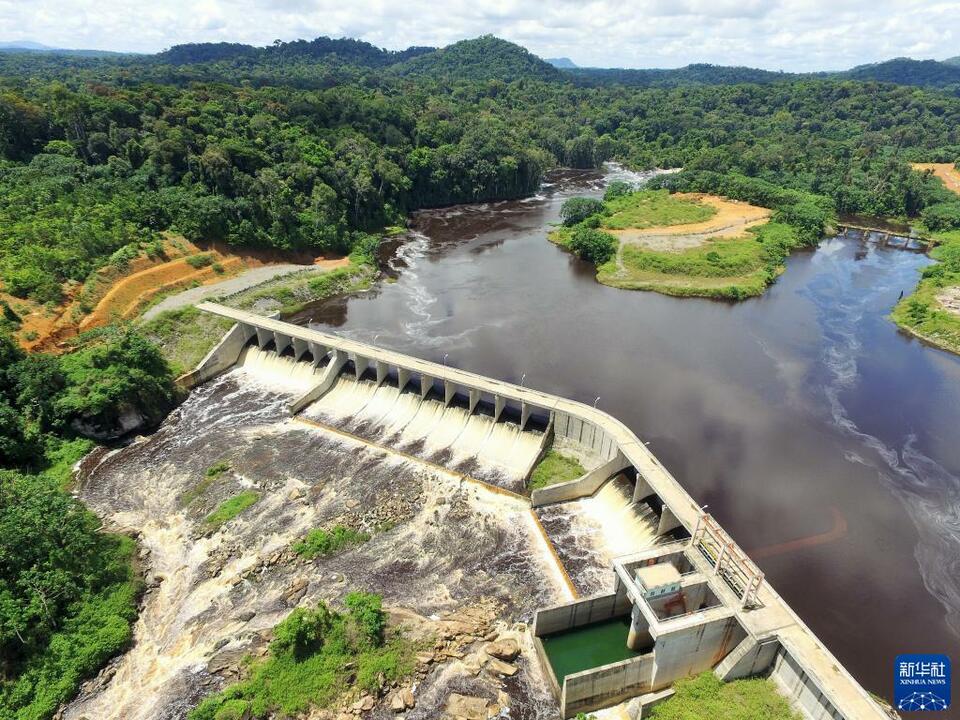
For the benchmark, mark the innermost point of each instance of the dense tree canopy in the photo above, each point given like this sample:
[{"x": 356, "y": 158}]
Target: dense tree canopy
[{"x": 302, "y": 145}]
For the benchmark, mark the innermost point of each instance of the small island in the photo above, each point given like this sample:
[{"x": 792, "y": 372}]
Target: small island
[{"x": 686, "y": 243}]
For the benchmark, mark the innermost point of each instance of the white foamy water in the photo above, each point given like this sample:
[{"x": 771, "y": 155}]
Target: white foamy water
[
  {"x": 616, "y": 172},
  {"x": 589, "y": 533},
  {"x": 278, "y": 371},
  {"x": 428, "y": 428}
]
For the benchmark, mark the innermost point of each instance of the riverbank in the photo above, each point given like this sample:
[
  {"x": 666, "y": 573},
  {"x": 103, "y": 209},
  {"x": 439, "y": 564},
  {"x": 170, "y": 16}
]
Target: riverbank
[
  {"x": 163, "y": 274},
  {"x": 932, "y": 312}
]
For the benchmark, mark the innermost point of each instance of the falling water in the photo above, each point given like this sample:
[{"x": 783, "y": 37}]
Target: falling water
[{"x": 589, "y": 533}]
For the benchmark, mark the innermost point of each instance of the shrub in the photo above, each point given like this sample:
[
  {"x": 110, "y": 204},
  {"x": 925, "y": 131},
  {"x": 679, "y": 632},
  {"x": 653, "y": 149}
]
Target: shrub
[
  {"x": 321, "y": 542},
  {"x": 200, "y": 261},
  {"x": 941, "y": 216},
  {"x": 302, "y": 632},
  {"x": 576, "y": 210},
  {"x": 593, "y": 245},
  {"x": 618, "y": 188},
  {"x": 366, "y": 610}
]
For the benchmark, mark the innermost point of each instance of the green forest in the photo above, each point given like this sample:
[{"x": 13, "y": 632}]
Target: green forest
[{"x": 318, "y": 146}]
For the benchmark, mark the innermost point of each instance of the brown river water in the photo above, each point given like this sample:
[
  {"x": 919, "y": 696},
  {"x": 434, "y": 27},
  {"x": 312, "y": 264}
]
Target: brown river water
[{"x": 825, "y": 441}]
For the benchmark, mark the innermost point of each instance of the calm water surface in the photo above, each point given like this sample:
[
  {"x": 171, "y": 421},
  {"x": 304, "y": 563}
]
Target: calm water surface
[{"x": 801, "y": 414}]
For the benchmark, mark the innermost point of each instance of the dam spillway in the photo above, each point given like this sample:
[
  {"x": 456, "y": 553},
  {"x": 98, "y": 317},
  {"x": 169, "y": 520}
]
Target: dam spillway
[
  {"x": 495, "y": 450},
  {"x": 478, "y": 425}
]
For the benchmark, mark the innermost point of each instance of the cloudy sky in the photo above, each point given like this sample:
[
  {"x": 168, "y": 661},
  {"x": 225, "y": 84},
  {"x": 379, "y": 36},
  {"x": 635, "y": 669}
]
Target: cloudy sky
[{"x": 773, "y": 34}]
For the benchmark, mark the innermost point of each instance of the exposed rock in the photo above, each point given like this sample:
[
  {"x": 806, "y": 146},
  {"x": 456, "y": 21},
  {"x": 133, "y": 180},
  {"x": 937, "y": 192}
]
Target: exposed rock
[
  {"x": 364, "y": 704},
  {"x": 409, "y": 701},
  {"x": 505, "y": 649},
  {"x": 466, "y": 707},
  {"x": 294, "y": 594},
  {"x": 397, "y": 704},
  {"x": 501, "y": 668},
  {"x": 246, "y": 616},
  {"x": 472, "y": 664}
]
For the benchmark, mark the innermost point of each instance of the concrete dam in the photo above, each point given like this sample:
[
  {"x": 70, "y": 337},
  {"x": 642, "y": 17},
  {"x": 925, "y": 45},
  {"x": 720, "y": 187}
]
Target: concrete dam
[{"x": 655, "y": 584}]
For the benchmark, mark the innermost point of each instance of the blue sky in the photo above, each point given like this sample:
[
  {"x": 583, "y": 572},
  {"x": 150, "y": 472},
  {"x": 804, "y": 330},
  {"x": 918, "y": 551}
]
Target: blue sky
[{"x": 787, "y": 35}]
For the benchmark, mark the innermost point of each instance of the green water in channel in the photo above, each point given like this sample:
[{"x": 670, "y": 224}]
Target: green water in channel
[{"x": 587, "y": 647}]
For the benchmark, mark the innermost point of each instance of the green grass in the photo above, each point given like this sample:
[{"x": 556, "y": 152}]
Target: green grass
[
  {"x": 212, "y": 474},
  {"x": 705, "y": 696},
  {"x": 653, "y": 208},
  {"x": 920, "y": 313},
  {"x": 98, "y": 627},
  {"x": 732, "y": 269},
  {"x": 185, "y": 336},
  {"x": 555, "y": 468},
  {"x": 294, "y": 292},
  {"x": 230, "y": 508},
  {"x": 320, "y": 543},
  {"x": 317, "y": 657}
]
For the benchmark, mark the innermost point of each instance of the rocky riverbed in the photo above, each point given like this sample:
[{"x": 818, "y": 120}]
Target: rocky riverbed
[{"x": 458, "y": 566}]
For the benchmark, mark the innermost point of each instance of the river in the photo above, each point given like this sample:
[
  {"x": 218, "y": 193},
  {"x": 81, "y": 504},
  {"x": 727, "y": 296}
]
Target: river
[{"x": 826, "y": 441}]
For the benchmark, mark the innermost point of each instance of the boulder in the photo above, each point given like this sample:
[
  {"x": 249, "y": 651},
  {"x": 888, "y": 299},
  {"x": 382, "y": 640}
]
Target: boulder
[
  {"x": 409, "y": 701},
  {"x": 505, "y": 649},
  {"x": 397, "y": 704},
  {"x": 500, "y": 667},
  {"x": 466, "y": 707}
]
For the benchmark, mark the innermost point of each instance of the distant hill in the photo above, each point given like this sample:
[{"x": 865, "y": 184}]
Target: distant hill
[
  {"x": 952, "y": 61},
  {"x": 29, "y": 46},
  {"x": 483, "y": 58},
  {"x": 699, "y": 74},
  {"x": 24, "y": 45},
  {"x": 564, "y": 63},
  {"x": 905, "y": 71},
  {"x": 342, "y": 51}
]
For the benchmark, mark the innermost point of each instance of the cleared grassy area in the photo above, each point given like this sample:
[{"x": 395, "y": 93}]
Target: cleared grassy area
[
  {"x": 729, "y": 268},
  {"x": 185, "y": 336},
  {"x": 653, "y": 208},
  {"x": 922, "y": 313},
  {"x": 230, "y": 508},
  {"x": 705, "y": 696},
  {"x": 316, "y": 657},
  {"x": 321, "y": 543},
  {"x": 555, "y": 468},
  {"x": 291, "y": 293}
]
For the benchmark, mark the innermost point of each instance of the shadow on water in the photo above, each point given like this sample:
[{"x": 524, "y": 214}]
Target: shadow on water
[{"x": 778, "y": 412}]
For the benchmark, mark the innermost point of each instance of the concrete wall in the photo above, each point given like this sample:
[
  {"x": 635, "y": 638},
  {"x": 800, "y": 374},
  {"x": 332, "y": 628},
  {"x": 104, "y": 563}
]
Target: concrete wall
[
  {"x": 755, "y": 658},
  {"x": 690, "y": 651},
  {"x": 582, "y": 612},
  {"x": 586, "y": 434},
  {"x": 222, "y": 357},
  {"x": 802, "y": 690},
  {"x": 606, "y": 685},
  {"x": 583, "y": 486}
]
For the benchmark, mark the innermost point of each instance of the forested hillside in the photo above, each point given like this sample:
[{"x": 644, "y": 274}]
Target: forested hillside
[
  {"x": 104, "y": 155},
  {"x": 320, "y": 145}
]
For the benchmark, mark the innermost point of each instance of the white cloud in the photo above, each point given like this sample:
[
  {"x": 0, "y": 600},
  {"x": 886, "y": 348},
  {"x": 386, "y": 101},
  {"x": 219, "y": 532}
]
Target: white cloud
[{"x": 774, "y": 34}]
